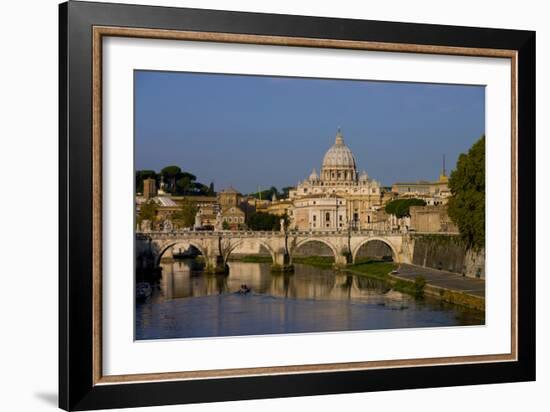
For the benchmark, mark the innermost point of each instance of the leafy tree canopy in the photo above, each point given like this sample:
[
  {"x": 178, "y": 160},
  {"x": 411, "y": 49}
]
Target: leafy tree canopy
[
  {"x": 211, "y": 191},
  {"x": 266, "y": 194},
  {"x": 170, "y": 171},
  {"x": 183, "y": 184},
  {"x": 185, "y": 217},
  {"x": 263, "y": 221},
  {"x": 401, "y": 207},
  {"x": 148, "y": 211},
  {"x": 466, "y": 207},
  {"x": 141, "y": 175}
]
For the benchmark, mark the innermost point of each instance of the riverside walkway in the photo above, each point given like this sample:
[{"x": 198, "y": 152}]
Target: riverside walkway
[{"x": 443, "y": 279}]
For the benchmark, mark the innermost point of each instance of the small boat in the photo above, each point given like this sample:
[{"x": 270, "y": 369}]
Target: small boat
[
  {"x": 244, "y": 289},
  {"x": 143, "y": 290}
]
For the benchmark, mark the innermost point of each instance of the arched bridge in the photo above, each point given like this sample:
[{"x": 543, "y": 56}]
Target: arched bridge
[{"x": 217, "y": 246}]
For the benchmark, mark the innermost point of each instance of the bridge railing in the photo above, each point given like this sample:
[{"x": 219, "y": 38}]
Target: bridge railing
[{"x": 254, "y": 233}]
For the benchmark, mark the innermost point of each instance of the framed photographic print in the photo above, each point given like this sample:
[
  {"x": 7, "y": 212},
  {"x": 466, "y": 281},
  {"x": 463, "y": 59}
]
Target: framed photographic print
[{"x": 257, "y": 205}]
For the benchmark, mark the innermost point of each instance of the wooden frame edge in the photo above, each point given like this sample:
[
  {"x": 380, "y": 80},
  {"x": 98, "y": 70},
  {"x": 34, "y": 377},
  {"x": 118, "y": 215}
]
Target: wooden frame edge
[
  {"x": 98, "y": 32},
  {"x": 97, "y": 229}
]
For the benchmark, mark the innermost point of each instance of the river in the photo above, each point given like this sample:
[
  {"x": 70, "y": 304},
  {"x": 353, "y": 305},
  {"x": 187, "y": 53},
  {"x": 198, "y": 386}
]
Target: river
[{"x": 187, "y": 304}]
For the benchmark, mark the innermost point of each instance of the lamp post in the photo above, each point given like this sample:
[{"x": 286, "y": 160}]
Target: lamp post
[
  {"x": 350, "y": 256},
  {"x": 337, "y": 222}
]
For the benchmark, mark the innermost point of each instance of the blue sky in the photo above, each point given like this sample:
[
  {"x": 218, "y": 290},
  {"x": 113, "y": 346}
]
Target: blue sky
[{"x": 250, "y": 131}]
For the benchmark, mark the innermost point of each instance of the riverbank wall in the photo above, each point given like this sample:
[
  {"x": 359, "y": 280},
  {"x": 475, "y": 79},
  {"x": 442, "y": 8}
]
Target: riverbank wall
[
  {"x": 453, "y": 296},
  {"x": 449, "y": 253}
]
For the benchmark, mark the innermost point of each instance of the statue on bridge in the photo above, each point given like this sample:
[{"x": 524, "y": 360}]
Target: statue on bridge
[
  {"x": 198, "y": 221},
  {"x": 167, "y": 226},
  {"x": 219, "y": 222},
  {"x": 145, "y": 225},
  {"x": 282, "y": 223}
]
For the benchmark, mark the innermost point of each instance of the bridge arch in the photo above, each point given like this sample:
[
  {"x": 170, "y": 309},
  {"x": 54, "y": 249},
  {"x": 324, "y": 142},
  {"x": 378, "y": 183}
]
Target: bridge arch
[
  {"x": 395, "y": 254},
  {"x": 163, "y": 247},
  {"x": 258, "y": 241},
  {"x": 268, "y": 248},
  {"x": 311, "y": 240}
]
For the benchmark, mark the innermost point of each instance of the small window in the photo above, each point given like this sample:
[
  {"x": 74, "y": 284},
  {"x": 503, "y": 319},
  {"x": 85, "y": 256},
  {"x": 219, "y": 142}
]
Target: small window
[{"x": 327, "y": 217}]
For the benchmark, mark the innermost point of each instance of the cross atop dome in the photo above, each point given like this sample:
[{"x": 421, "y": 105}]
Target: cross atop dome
[{"x": 339, "y": 137}]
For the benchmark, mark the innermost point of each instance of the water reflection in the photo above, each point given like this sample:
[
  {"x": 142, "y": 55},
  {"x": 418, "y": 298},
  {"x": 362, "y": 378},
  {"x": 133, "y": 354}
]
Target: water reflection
[
  {"x": 180, "y": 281},
  {"x": 187, "y": 303}
]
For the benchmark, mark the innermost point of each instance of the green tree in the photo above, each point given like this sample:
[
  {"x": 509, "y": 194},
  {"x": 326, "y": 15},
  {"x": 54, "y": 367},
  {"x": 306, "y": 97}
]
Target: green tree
[
  {"x": 401, "y": 207},
  {"x": 185, "y": 216},
  {"x": 225, "y": 225},
  {"x": 200, "y": 189},
  {"x": 148, "y": 211},
  {"x": 285, "y": 190},
  {"x": 265, "y": 194},
  {"x": 466, "y": 207},
  {"x": 274, "y": 191},
  {"x": 211, "y": 191},
  {"x": 183, "y": 185},
  {"x": 263, "y": 221},
  {"x": 141, "y": 175},
  {"x": 170, "y": 174}
]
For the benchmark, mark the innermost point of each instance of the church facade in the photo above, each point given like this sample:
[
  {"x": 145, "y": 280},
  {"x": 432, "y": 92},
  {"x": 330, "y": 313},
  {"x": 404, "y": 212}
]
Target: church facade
[{"x": 338, "y": 198}]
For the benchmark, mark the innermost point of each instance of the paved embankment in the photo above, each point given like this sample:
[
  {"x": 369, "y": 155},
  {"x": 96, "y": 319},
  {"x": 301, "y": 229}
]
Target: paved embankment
[{"x": 448, "y": 286}]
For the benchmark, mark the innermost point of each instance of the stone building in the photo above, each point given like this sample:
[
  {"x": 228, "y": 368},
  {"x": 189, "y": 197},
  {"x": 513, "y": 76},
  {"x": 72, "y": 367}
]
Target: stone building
[
  {"x": 149, "y": 188},
  {"x": 433, "y": 193},
  {"x": 431, "y": 219},
  {"x": 206, "y": 215},
  {"x": 166, "y": 207},
  {"x": 231, "y": 205},
  {"x": 319, "y": 212},
  {"x": 228, "y": 198},
  {"x": 257, "y": 205},
  {"x": 347, "y": 198},
  {"x": 279, "y": 207},
  {"x": 233, "y": 216}
]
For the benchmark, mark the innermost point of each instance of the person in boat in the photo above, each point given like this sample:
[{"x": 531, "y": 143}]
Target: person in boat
[{"x": 244, "y": 289}]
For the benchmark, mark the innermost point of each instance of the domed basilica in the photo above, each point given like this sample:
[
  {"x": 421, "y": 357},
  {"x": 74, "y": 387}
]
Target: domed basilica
[{"x": 338, "y": 197}]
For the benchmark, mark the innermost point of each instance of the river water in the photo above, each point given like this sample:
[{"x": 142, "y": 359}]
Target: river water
[{"x": 187, "y": 304}]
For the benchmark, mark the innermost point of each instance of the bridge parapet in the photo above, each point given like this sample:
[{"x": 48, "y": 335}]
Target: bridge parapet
[{"x": 263, "y": 234}]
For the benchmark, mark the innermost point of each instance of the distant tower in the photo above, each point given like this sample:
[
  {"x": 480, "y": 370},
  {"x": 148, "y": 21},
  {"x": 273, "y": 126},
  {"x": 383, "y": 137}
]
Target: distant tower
[
  {"x": 149, "y": 188},
  {"x": 228, "y": 198},
  {"x": 443, "y": 176}
]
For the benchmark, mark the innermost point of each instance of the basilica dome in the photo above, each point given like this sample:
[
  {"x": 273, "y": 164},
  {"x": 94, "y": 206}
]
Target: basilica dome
[{"x": 339, "y": 155}]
